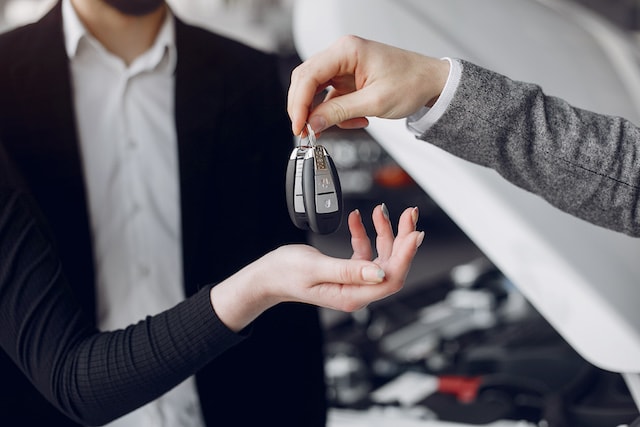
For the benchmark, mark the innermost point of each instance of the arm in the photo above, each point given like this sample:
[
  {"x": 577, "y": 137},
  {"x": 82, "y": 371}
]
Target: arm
[
  {"x": 584, "y": 163},
  {"x": 96, "y": 377},
  {"x": 92, "y": 377}
]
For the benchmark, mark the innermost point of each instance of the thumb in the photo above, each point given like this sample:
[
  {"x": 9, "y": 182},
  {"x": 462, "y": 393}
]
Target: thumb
[
  {"x": 352, "y": 272},
  {"x": 349, "y": 108}
]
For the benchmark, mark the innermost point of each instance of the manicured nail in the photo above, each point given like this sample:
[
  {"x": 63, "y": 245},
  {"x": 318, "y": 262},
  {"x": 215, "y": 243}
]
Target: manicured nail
[
  {"x": 356, "y": 214},
  {"x": 372, "y": 274},
  {"x": 414, "y": 216},
  {"x": 318, "y": 123},
  {"x": 385, "y": 211},
  {"x": 420, "y": 239}
]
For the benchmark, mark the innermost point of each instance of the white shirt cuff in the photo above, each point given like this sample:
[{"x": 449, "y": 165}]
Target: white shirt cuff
[{"x": 420, "y": 121}]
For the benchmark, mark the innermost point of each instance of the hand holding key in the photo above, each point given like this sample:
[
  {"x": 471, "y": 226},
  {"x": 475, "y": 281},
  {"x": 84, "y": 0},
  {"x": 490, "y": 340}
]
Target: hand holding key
[{"x": 364, "y": 78}]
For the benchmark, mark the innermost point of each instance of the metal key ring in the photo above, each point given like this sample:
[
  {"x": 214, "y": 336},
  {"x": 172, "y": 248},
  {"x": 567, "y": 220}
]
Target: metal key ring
[{"x": 311, "y": 136}]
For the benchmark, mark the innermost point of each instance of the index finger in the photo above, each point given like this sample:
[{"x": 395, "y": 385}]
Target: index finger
[
  {"x": 302, "y": 92},
  {"x": 312, "y": 76}
]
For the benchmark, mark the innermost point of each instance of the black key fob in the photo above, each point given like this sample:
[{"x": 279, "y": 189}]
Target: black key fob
[
  {"x": 321, "y": 191},
  {"x": 314, "y": 195},
  {"x": 295, "y": 198}
]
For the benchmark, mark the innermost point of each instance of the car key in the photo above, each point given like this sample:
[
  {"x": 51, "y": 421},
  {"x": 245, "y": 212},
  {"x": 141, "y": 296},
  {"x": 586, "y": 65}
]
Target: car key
[
  {"x": 314, "y": 194},
  {"x": 295, "y": 198},
  {"x": 321, "y": 191}
]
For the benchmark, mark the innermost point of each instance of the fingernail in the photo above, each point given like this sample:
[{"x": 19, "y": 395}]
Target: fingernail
[
  {"x": 420, "y": 239},
  {"x": 317, "y": 123},
  {"x": 357, "y": 212},
  {"x": 385, "y": 211},
  {"x": 414, "y": 216},
  {"x": 372, "y": 274}
]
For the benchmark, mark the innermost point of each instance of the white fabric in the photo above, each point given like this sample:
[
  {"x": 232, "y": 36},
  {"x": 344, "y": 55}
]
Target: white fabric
[{"x": 126, "y": 125}]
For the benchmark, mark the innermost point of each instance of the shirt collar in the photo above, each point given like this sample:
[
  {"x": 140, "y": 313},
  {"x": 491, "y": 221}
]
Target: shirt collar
[
  {"x": 161, "y": 54},
  {"x": 73, "y": 28}
]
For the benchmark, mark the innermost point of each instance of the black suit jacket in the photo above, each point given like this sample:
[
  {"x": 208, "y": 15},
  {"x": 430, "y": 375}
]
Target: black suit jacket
[{"x": 233, "y": 142}]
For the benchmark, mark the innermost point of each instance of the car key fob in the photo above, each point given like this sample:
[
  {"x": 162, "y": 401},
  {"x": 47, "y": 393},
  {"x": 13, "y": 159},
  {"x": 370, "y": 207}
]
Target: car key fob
[
  {"x": 314, "y": 195},
  {"x": 295, "y": 198},
  {"x": 321, "y": 191}
]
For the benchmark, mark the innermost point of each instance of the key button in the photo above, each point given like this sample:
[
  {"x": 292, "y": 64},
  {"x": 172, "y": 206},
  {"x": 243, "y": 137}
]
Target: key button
[{"x": 326, "y": 203}]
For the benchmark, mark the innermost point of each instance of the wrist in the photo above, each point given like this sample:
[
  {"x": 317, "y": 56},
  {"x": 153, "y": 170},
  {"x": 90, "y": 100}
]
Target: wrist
[
  {"x": 241, "y": 298},
  {"x": 445, "y": 85},
  {"x": 439, "y": 75}
]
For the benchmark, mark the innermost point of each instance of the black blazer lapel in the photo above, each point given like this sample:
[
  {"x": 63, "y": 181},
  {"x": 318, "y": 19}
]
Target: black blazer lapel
[
  {"x": 198, "y": 101},
  {"x": 233, "y": 145}
]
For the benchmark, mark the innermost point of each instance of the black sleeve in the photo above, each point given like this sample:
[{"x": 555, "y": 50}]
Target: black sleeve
[{"x": 92, "y": 377}]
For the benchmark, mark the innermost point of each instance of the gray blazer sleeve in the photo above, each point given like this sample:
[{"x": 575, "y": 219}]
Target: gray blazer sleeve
[{"x": 584, "y": 163}]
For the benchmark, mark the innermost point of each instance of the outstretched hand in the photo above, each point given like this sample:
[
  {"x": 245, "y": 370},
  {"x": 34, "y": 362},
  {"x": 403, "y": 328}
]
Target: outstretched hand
[{"x": 301, "y": 273}]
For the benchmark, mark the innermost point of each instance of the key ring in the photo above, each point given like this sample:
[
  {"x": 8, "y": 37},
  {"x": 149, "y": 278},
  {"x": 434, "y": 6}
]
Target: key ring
[{"x": 311, "y": 136}]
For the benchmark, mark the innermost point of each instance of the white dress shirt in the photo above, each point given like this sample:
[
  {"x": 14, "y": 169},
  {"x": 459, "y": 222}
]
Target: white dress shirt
[{"x": 126, "y": 125}]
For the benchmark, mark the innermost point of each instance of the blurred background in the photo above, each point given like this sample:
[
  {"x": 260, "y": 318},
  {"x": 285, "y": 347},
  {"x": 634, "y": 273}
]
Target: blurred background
[{"x": 457, "y": 314}]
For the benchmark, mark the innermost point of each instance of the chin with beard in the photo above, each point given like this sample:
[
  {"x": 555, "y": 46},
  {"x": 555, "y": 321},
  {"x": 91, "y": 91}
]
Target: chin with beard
[{"x": 135, "y": 7}]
